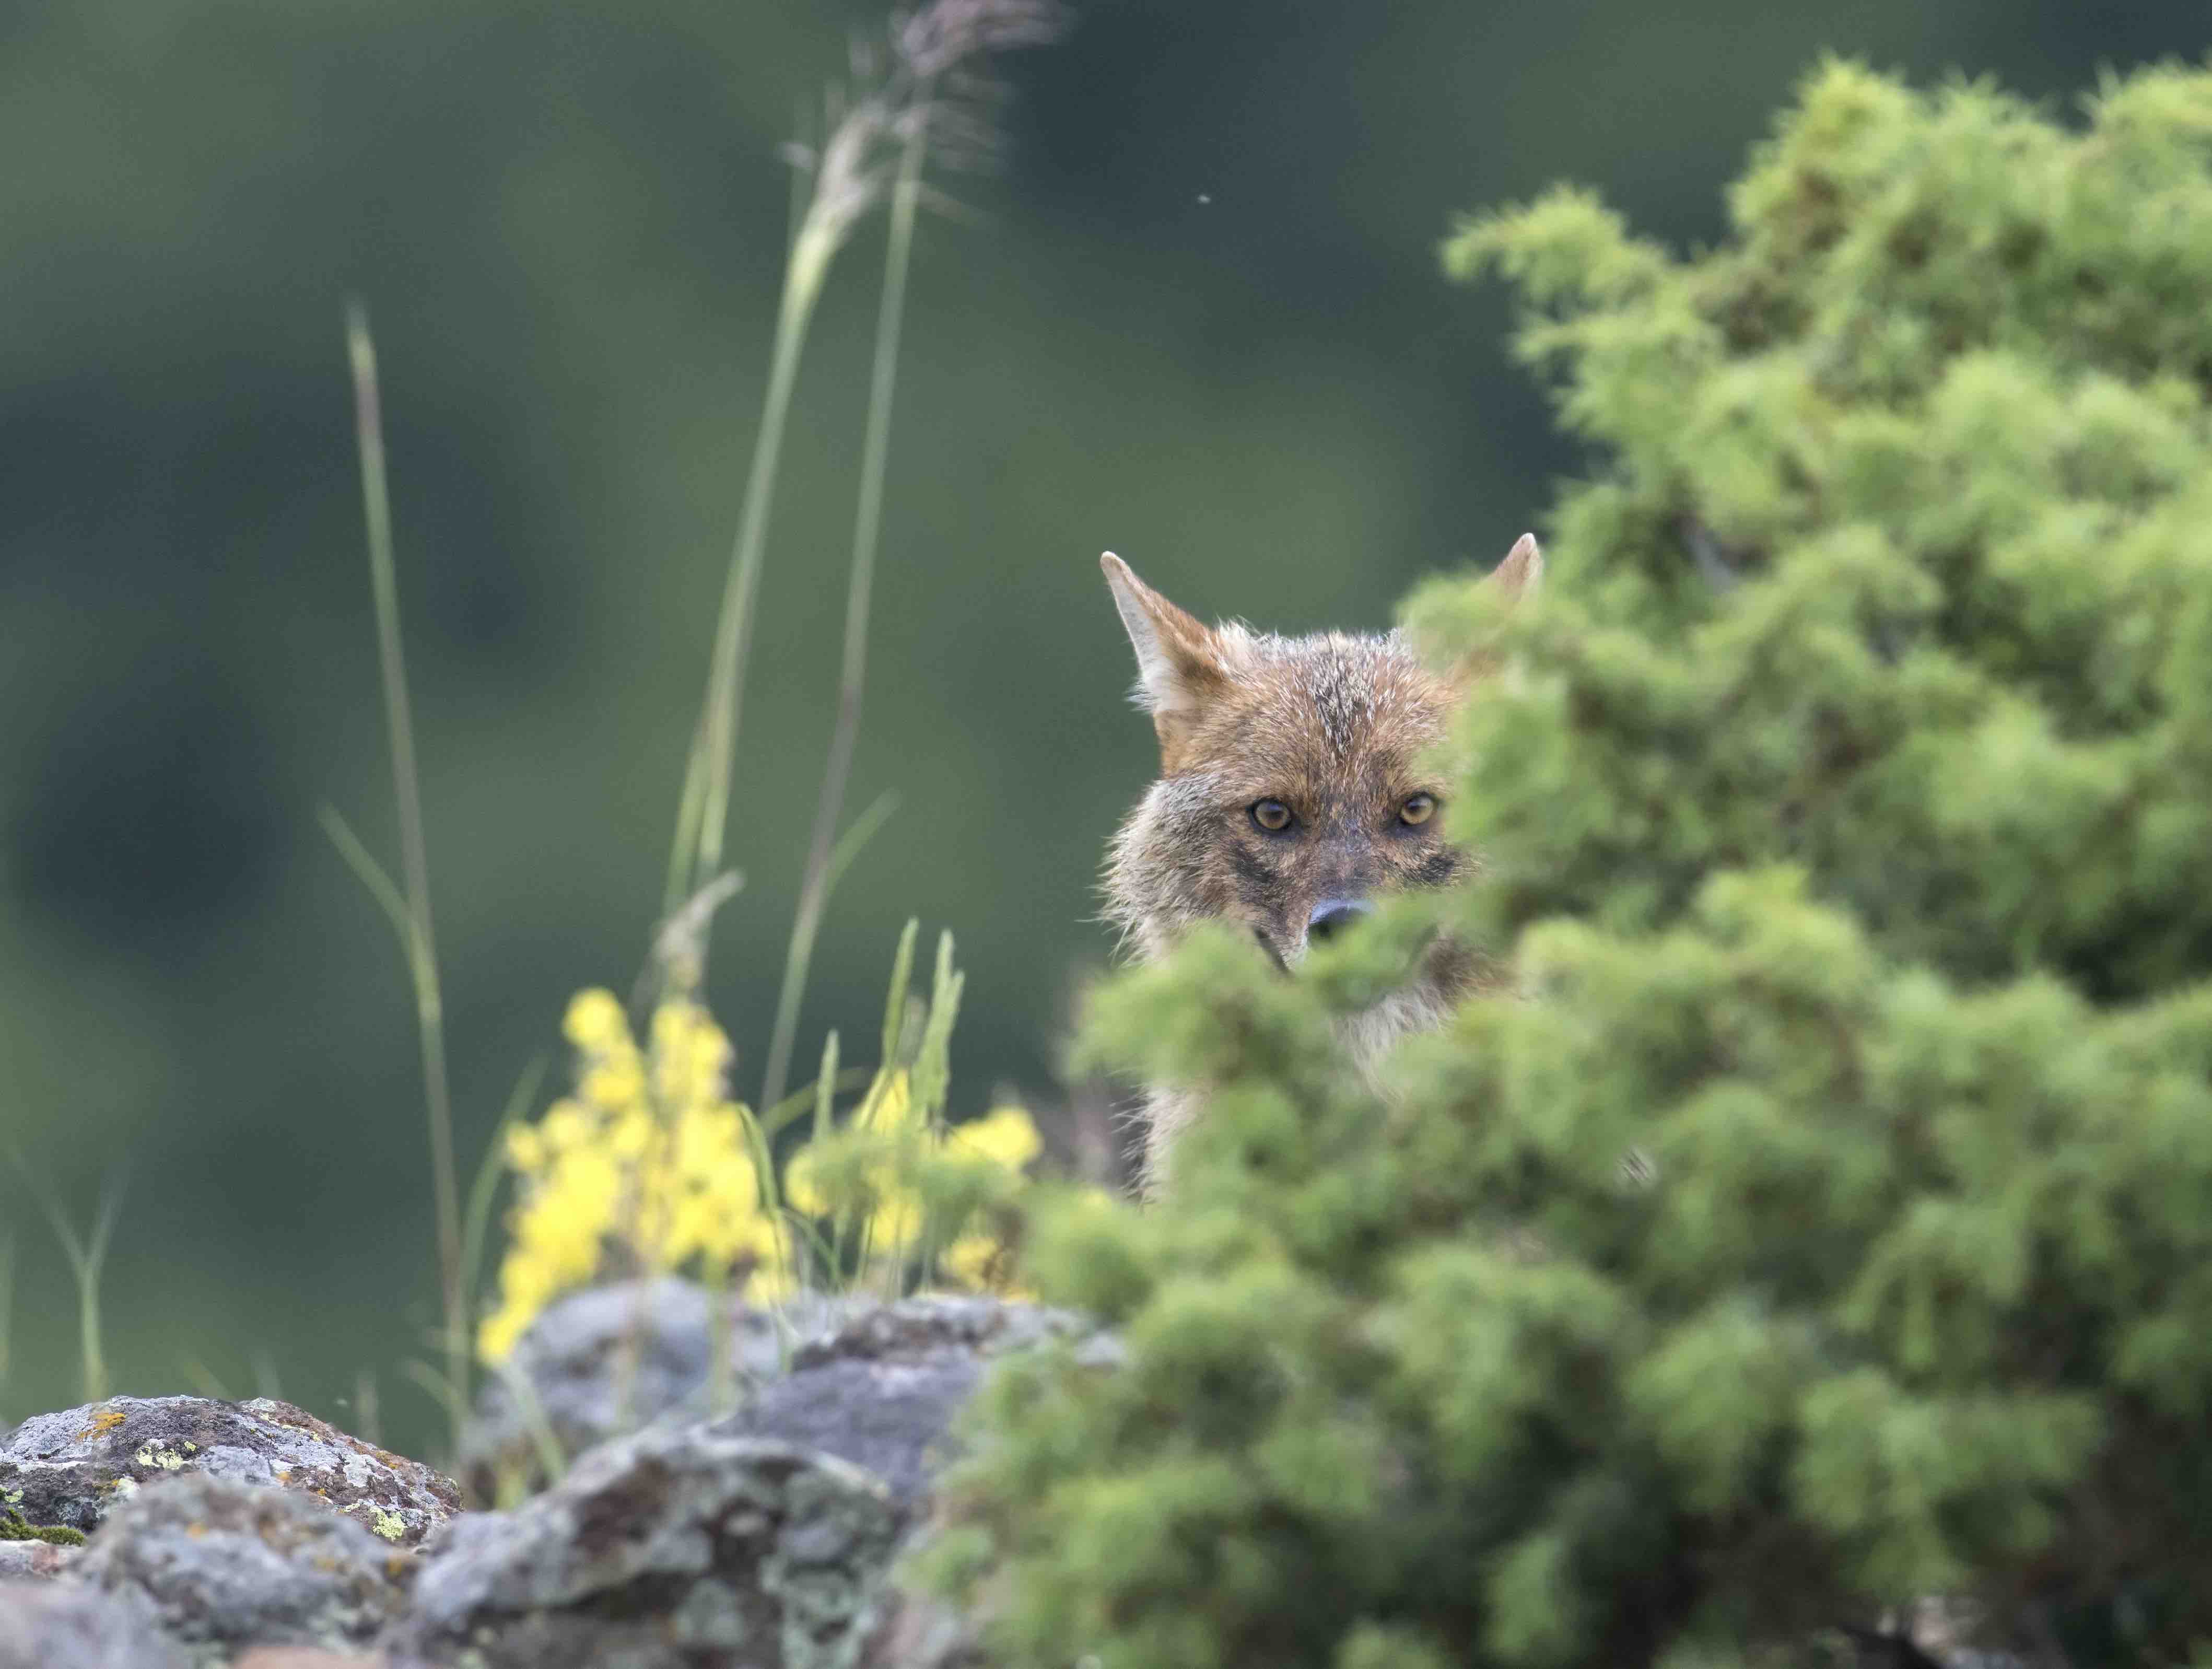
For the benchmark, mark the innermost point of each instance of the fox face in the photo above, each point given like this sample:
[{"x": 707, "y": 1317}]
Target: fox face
[{"x": 1292, "y": 794}]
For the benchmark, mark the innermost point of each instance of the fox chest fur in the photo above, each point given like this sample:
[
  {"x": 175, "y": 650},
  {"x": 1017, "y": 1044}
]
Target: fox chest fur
[{"x": 1293, "y": 791}]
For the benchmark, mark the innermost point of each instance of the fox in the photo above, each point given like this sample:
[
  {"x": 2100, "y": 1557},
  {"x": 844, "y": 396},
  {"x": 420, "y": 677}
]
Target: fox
[{"x": 1293, "y": 791}]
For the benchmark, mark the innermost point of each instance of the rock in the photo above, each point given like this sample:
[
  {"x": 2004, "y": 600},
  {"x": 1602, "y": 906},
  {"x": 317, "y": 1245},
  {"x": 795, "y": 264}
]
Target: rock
[
  {"x": 223, "y": 1565},
  {"x": 65, "y": 1625},
  {"x": 73, "y": 1467},
  {"x": 883, "y": 1390},
  {"x": 668, "y": 1550},
  {"x": 292, "y": 1657},
  {"x": 19, "y": 1560},
  {"x": 574, "y": 1362}
]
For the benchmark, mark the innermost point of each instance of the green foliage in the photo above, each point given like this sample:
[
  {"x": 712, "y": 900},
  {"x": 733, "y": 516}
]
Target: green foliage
[
  {"x": 1825, "y": 1222},
  {"x": 14, "y": 1527}
]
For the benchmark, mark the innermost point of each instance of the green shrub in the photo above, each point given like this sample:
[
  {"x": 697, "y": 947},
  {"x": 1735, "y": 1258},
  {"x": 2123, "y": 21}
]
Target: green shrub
[{"x": 1827, "y": 1222}]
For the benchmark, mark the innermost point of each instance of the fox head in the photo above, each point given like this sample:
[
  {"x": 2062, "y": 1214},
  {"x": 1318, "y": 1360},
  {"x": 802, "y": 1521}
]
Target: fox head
[{"x": 1292, "y": 787}]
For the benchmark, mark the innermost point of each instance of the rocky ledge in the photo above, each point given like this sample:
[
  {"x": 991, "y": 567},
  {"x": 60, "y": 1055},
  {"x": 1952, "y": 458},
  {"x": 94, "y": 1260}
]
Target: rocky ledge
[
  {"x": 73, "y": 1468},
  {"x": 253, "y": 1535}
]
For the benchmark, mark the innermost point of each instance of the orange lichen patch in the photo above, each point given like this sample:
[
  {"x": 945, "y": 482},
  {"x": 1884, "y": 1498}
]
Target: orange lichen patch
[
  {"x": 196, "y": 1531},
  {"x": 105, "y": 1421}
]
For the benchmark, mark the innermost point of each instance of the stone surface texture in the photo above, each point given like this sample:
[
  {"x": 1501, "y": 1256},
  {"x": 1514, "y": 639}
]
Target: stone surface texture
[
  {"x": 223, "y": 1566},
  {"x": 19, "y": 1560},
  {"x": 612, "y": 1359},
  {"x": 669, "y": 1550},
  {"x": 882, "y": 1391},
  {"x": 227, "y": 1535},
  {"x": 66, "y": 1625},
  {"x": 76, "y": 1466}
]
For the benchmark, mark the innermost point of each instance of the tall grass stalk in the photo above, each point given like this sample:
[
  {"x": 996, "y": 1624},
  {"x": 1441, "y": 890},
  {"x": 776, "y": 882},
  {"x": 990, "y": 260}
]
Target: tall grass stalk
[
  {"x": 702, "y": 817},
  {"x": 867, "y": 528},
  {"x": 88, "y": 1256},
  {"x": 870, "y": 140},
  {"x": 419, "y": 941}
]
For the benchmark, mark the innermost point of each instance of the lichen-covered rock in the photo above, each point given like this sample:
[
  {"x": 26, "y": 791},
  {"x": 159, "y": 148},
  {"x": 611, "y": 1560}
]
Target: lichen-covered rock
[
  {"x": 65, "y": 1625},
  {"x": 610, "y": 1360},
  {"x": 75, "y": 1467},
  {"x": 669, "y": 1550},
  {"x": 223, "y": 1566},
  {"x": 882, "y": 1391},
  {"x": 33, "y": 1560}
]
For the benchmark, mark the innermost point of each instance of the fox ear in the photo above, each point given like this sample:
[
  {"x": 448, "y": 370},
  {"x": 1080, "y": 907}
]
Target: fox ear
[
  {"x": 1522, "y": 571},
  {"x": 1509, "y": 584},
  {"x": 1180, "y": 663}
]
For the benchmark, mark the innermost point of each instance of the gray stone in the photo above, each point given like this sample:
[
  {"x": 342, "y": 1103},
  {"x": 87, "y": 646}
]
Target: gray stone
[
  {"x": 611, "y": 1360},
  {"x": 73, "y": 1468},
  {"x": 883, "y": 1390},
  {"x": 21, "y": 1560},
  {"x": 667, "y": 1549},
  {"x": 65, "y": 1625},
  {"x": 224, "y": 1565}
]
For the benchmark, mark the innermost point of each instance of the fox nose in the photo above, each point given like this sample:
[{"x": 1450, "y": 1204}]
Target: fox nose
[{"x": 1332, "y": 915}]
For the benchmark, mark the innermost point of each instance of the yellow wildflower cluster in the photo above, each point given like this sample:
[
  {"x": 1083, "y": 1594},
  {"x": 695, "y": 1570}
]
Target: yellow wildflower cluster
[
  {"x": 882, "y": 1204},
  {"x": 648, "y": 1165}
]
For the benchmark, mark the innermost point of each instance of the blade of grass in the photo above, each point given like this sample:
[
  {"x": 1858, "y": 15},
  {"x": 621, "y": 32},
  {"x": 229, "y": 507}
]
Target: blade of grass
[
  {"x": 867, "y": 537},
  {"x": 552, "y": 1459},
  {"x": 825, "y": 1086},
  {"x": 201, "y": 1379},
  {"x": 724, "y": 706},
  {"x": 476, "y": 1225},
  {"x": 802, "y": 1101},
  {"x": 688, "y": 806},
  {"x": 370, "y": 873},
  {"x": 86, "y": 1257},
  {"x": 895, "y": 998},
  {"x": 367, "y": 1409},
  {"x": 414, "y": 858},
  {"x": 441, "y": 1392},
  {"x": 815, "y": 890}
]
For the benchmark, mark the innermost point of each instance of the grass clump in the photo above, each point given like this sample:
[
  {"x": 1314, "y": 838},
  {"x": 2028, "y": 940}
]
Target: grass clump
[
  {"x": 1822, "y": 1224},
  {"x": 15, "y": 1528}
]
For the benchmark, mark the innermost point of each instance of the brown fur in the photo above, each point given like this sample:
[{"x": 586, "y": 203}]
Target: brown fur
[{"x": 1333, "y": 727}]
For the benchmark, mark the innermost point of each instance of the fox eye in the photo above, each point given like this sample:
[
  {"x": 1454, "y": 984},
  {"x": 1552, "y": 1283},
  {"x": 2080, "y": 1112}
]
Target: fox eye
[
  {"x": 1418, "y": 809},
  {"x": 1273, "y": 815}
]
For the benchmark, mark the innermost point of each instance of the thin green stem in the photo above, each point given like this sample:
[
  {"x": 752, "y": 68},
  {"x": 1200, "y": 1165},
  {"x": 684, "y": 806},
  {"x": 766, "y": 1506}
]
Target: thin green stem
[
  {"x": 414, "y": 858},
  {"x": 370, "y": 873},
  {"x": 688, "y": 806},
  {"x": 867, "y": 532},
  {"x": 87, "y": 1257},
  {"x": 476, "y": 1223},
  {"x": 822, "y": 875},
  {"x": 802, "y": 287}
]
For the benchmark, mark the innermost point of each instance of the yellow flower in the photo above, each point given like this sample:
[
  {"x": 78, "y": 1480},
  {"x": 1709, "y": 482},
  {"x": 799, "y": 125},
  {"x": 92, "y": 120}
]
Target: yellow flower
[
  {"x": 894, "y": 1225},
  {"x": 800, "y": 1190},
  {"x": 1005, "y": 1136},
  {"x": 565, "y": 1126},
  {"x": 983, "y": 1263},
  {"x": 525, "y": 1147},
  {"x": 616, "y": 1086},
  {"x": 595, "y": 1021}
]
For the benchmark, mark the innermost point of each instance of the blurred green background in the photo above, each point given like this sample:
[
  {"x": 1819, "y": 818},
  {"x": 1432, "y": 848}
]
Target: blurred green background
[{"x": 1197, "y": 319}]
